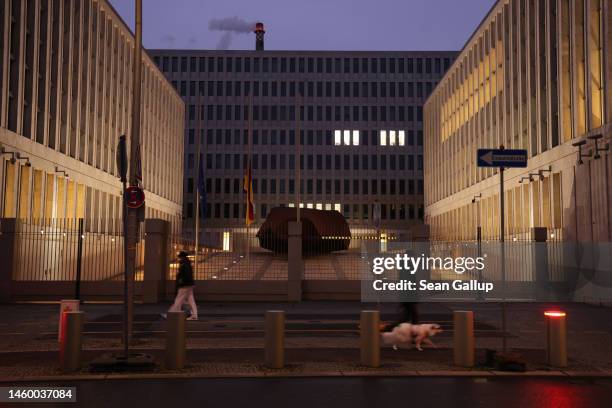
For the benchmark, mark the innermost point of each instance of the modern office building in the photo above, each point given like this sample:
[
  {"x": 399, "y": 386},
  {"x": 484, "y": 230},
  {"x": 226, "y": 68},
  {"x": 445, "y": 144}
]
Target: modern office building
[
  {"x": 535, "y": 75},
  {"x": 360, "y": 127},
  {"x": 65, "y": 98}
]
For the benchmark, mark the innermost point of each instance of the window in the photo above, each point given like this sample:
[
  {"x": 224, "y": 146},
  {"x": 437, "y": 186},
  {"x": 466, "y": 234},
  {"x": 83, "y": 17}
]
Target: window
[
  {"x": 401, "y": 138},
  {"x": 337, "y": 137},
  {"x": 355, "y": 138},
  {"x": 383, "y": 137},
  {"x": 392, "y": 140},
  {"x": 347, "y": 137}
]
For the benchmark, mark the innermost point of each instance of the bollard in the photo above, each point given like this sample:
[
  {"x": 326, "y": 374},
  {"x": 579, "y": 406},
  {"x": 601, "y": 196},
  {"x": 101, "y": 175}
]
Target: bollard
[
  {"x": 463, "y": 338},
  {"x": 556, "y": 336},
  {"x": 275, "y": 339},
  {"x": 370, "y": 338},
  {"x": 66, "y": 305},
  {"x": 175, "y": 340},
  {"x": 70, "y": 342}
]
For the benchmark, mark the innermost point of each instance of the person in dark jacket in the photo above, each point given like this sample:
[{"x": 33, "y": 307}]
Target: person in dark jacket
[{"x": 184, "y": 286}]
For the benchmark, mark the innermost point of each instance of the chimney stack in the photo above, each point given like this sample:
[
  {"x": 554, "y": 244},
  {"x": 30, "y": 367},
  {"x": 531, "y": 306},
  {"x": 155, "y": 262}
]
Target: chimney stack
[{"x": 259, "y": 36}]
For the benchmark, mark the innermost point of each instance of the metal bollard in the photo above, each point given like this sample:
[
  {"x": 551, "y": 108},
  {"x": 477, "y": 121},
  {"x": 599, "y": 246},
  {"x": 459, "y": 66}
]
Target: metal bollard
[
  {"x": 463, "y": 338},
  {"x": 66, "y": 305},
  {"x": 175, "y": 340},
  {"x": 556, "y": 336},
  {"x": 370, "y": 338},
  {"x": 275, "y": 339},
  {"x": 71, "y": 341}
]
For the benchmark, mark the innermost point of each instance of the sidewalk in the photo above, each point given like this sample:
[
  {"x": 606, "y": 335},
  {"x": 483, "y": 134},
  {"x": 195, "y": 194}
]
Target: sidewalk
[{"x": 322, "y": 338}]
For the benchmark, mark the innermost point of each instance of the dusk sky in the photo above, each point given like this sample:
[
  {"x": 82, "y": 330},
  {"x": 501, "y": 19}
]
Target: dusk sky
[{"x": 313, "y": 24}]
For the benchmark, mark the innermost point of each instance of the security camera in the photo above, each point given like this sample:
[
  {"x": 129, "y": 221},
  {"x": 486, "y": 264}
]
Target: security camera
[
  {"x": 28, "y": 164},
  {"x": 13, "y": 160},
  {"x": 473, "y": 200},
  {"x": 579, "y": 143}
]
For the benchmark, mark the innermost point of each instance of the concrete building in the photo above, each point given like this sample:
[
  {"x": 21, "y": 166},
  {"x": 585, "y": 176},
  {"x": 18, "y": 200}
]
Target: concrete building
[
  {"x": 65, "y": 98},
  {"x": 535, "y": 75},
  {"x": 360, "y": 130}
]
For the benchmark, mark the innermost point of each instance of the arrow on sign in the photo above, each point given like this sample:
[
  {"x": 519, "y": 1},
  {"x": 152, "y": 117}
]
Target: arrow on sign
[{"x": 502, "y": 158}]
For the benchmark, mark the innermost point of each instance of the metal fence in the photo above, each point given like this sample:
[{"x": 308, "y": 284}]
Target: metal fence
[
  {"x": 325, "y": 262},
  {"x": 64, "y": 250},
  {"x": 230, "y": 255}
]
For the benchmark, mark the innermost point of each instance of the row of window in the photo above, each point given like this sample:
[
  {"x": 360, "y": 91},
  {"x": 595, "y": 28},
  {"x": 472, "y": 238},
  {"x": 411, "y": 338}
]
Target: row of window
[
  {"x": 309, "y": 113},
  {"x": 311, "y": 162},
  {"x": 282, "y": 137},
  {"x": 311, "y": 65},
  {"x": 309, "y": 89},
  {"x": 310, "y": 186},
  {"x": 349, "y": 211}
]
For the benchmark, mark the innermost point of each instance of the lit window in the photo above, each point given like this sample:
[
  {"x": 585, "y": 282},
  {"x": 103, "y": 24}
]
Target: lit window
[
  {"x": 347, "y": 137},
  {"x": 319, "y": 206},
  {"x": 338, "y": 207},
  {"x": 392, "y": 138},
  {"x": 402, "y": 138},
  {"x": 383, "y": 137},
  {"x": 291, "y": 205},
  {"x": 337, "y": 137},
  {"x": 355, "y": 138},
  {"x": 309, "y": 205},
  {"x": 301, "y": 205},
  {"x": 226, "y": 240},
  {"x": 328, "y": 207}
]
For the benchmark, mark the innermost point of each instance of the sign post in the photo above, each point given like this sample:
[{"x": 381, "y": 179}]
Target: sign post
[{"x": 502, "y": 158}]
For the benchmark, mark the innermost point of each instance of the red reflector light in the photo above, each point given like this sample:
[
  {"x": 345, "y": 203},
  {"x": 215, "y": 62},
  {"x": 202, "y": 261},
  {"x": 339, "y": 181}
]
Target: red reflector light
[{"x": 554, "y": 313}]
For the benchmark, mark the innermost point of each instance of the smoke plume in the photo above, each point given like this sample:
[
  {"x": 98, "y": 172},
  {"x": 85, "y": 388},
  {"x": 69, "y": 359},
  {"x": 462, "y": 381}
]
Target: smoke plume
[
  {"x": 233, "y": 24},
  {"x": 229, "y": 25},
  {"x": 225, "y": 41}
]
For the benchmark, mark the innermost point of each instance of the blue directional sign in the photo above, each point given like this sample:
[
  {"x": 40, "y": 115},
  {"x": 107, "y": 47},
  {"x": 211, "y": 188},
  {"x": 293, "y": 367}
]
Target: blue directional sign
[{"x": 502, "y": 158}]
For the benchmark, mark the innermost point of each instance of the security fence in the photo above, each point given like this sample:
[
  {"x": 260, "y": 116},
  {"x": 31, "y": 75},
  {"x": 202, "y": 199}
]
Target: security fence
[
  {"x": 66, "y": 250},
  {"x": 51, "y": 255},
  {"x": 236, "y": 255}
]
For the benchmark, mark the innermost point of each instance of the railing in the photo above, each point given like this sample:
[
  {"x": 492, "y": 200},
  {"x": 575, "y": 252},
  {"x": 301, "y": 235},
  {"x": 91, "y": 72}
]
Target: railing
[
  {"x": 235, "y": 255},
  {"x": 63, "y": 250}
]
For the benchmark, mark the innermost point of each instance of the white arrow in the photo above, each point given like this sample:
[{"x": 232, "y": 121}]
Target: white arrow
[{"x": 487, "y": 157}]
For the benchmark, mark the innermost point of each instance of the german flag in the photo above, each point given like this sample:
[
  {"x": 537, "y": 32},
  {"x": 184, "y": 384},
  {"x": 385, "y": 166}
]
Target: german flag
[{"x": 248, "y": 189}]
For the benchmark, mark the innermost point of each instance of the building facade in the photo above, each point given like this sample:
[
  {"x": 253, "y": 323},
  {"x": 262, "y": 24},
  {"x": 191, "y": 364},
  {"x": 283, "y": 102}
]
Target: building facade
[
  {"x": 65, "y": 98},
  {"x": 360, "y": 126},
  {"x": 535, "y": 75}
]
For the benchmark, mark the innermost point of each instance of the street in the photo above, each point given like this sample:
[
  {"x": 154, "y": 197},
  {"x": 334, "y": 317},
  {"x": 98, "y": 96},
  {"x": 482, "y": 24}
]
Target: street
[{"x": 352, "y": 392}]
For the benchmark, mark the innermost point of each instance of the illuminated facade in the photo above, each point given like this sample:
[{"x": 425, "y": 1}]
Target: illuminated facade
[
  {"x": 535, "y": 75},
  {"x": 65, "y": 98},
  {"x": 361, "y": 130}
]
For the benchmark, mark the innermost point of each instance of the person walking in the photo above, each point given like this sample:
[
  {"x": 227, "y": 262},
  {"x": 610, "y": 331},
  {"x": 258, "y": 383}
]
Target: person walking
[{"x": 184, "y": 286}]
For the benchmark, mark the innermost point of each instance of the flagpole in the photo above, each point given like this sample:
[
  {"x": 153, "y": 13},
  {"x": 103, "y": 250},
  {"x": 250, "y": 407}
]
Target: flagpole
[
  {"x": 298, "y": 142},
  {"x": 197, "y": 189},
  {"x": 249, "y": 169}
]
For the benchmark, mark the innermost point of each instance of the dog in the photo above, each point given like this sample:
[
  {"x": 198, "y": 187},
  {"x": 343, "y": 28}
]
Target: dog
[{"x": 407, "y": 333}]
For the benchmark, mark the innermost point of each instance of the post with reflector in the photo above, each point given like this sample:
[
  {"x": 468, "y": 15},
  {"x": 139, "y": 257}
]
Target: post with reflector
[
  {"x": 370, "y": 338},
  {"x": 463, "y": 338},
  {"x": 275, "y": 339},
  {"x": 71, "y": 341},
  {"x": 66, "y": 305},
  {"x": 556, "y": 338}
]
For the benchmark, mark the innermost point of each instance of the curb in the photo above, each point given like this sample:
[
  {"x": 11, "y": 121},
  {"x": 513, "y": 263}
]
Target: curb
[{"x": 338, "y": 374}]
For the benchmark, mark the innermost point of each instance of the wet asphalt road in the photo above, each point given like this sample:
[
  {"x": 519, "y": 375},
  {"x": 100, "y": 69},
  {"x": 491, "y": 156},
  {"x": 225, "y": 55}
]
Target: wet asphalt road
[{"x": 354, "y": 392}]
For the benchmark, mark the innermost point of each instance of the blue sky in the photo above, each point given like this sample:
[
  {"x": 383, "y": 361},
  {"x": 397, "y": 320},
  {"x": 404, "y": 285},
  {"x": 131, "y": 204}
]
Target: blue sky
[{"x": 312, "y": 24}]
